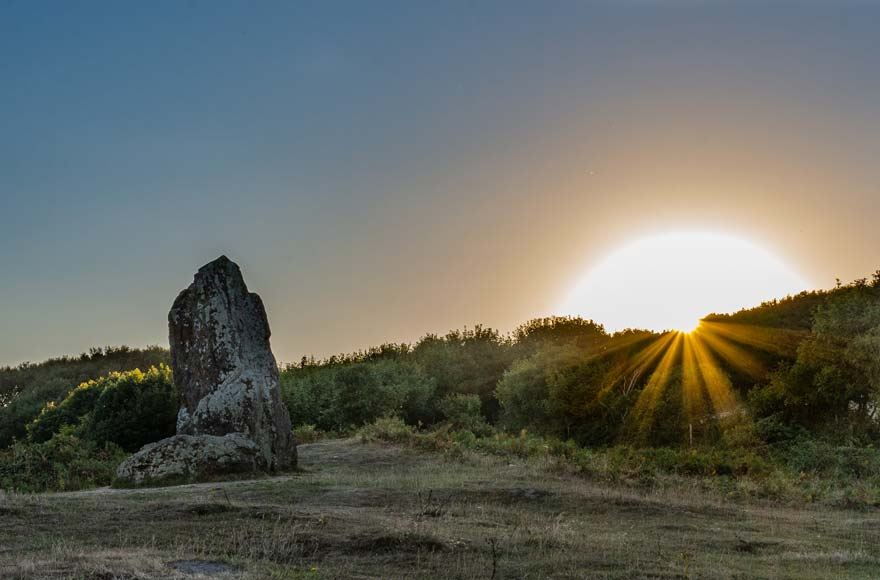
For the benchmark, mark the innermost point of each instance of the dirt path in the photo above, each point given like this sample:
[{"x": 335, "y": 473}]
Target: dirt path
[{"x": 309, "y": 455}]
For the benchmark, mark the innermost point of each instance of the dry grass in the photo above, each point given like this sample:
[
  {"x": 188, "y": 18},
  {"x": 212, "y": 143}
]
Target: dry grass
[{"x": 371, "y": 511}]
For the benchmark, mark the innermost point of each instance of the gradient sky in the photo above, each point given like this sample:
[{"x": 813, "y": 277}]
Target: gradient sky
[{"x": 385, "y": 169}]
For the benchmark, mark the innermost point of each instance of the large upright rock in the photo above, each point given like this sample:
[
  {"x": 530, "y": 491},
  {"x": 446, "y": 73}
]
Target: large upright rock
[
  {"x": 223, "y": 366},
  {"x": 231, "y": 416}
]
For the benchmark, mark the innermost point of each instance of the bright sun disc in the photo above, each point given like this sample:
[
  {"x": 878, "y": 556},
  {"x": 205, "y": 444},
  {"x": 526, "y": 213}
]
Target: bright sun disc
[{"x": 671, "y": 281}]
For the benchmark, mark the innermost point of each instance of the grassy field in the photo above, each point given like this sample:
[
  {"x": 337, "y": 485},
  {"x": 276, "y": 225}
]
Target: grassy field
[{"x": 376, "y": 511}]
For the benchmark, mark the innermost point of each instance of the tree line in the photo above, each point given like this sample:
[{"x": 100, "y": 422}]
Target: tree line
[{"x": 818, "y": 355}]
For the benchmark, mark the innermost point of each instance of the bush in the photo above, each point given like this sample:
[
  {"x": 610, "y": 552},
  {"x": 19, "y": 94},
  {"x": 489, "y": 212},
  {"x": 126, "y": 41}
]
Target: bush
[
  {"x": 525, "y": 390},
  {"x": 78, "y": 403},
  {"x": 26, "y": 389},
  {"x": 64, "y": 462},
  {"x": 774, "y": 429},
  {"x": 833, "y": 386},
  {"x": 134, "y": 408},
  {"x": 128, "y": 409},
  {"x": 341, "y": 397},
  {"x": 468, "y": 361},
  {"x": 539, "y": 333},
  {"x": 559, "y": 392},
  {"x": 463, "y": 412},
  {"x": 391, "y": 429},
  {"x": 24, "y": 407},
  {"x": 823, "y": 459},
  {"x": 307, "y": 434}
]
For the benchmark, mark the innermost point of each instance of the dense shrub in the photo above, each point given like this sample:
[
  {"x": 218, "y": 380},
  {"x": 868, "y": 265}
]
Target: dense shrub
[
  {"x": 390, "y": 429},
  {"x": 339, "y": 397},
  {"x": 792, "y": 312},
  {"x": 69, "y": 412},
  {"x": 463, "y": 412},
  {"x": 64, "y": 462},
  {"x": 557, "y": 331},
  {"x": 527, "y": 390},
  {"x": 307, "y": 433},
  {"x": 833, "y": 385},
  {"x": 469, "y": 362},
  {"x": 830, "y": 461},
  {"x": 27, "y": 388},
  {"x": 128, "y": 409},
  {"x": 18, "y": 413},
  {"x": 133, "y": 409},
  {"x": 773, "y": 429},
  {"x": 559, "y": 392}
]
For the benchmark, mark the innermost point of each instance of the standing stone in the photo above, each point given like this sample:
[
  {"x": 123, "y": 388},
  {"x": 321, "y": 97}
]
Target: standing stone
[
  {"x": 223, "y": 365},
  {"x": 231, "y": 417}
]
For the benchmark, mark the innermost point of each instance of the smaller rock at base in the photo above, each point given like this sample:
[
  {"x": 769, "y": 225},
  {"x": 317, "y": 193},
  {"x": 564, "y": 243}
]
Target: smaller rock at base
[{"x": 188, "y": 458}]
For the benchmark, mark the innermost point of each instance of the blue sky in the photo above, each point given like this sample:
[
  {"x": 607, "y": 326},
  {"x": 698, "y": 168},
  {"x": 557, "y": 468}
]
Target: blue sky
[{"x": 385, "y": 169}]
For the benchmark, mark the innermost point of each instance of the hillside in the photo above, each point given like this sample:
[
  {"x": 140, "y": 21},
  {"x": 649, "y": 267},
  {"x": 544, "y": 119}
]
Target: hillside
[{"x": 776, "y": 388}]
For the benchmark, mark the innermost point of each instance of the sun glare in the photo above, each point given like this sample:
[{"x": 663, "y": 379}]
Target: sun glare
[{"x": 670, "y": 281}]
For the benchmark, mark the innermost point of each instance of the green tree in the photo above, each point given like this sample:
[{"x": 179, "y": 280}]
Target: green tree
[
  {"x": 340, "y": 396},
  {"x": 70, "y": 411},
  {"x": 583, "y": 334},
  {"x": 27, "y": 388},
  {"x": 133, "y": 409},
  {"x": 468, "y": 361},
  {"x": 834, "y": 383},
  {"x": 527, "y": 392}
]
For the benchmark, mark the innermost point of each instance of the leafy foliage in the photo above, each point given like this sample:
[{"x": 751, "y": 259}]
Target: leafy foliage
[
  {"x": 529, "y": 391},
  {"x": 468, "y": 361},
  {"x": 558, "y": 331},
  {"x": 463, "y": 411},
  {"x": 134, "y": 408},
  {"x": 340, "y": 396},
  {"x": 792, "y": 312},
  {"x": 64, "y": 462},
  {"x": 565, "y": 381},
  {"x": 833, "y": 385},
  {"x": 69, "y": 412},
  {"x": 127, "y": 409},
  {"x": 26, "y": 389},
  {"x": 815, "y": 368}
]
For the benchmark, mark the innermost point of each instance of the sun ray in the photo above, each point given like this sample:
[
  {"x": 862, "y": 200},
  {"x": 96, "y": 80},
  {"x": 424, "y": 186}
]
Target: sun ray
[
  {"x": 714, "y": 380},
  {"x": 626, "y": 342},
  {"x": 646, "y": 356},
  {"x": 643, "y": 412},
  {"x": 634, "y": 367},
  {"x": 780, "y": 341},
  {"x": 693, "y": 401},
  {"x": 735, "y": 355}
]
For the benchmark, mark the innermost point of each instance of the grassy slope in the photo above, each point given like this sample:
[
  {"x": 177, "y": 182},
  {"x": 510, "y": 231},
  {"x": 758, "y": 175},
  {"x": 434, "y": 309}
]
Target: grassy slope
[{"x": 364, "y": 511}]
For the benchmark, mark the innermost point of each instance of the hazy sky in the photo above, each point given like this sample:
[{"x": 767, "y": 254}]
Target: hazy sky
[{"x": 385, "y": 169}]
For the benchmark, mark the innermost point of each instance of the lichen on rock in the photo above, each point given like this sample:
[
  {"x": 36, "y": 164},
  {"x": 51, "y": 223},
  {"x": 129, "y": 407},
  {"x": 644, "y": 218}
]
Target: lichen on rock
[{"x": 190, "y": 458}]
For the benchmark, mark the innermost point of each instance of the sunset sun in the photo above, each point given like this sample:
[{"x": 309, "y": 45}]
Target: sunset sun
[{"x": 670, "y": 281}]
